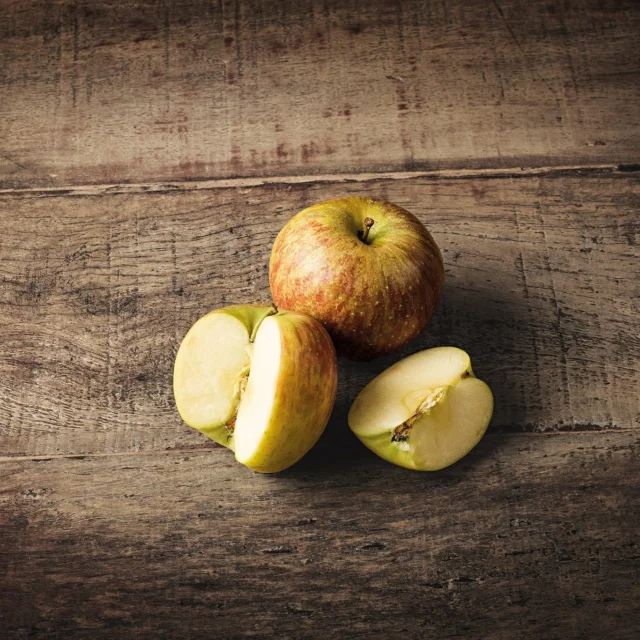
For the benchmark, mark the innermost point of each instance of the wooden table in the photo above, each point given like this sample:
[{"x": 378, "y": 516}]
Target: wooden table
[{"x": 149, "y": 154}]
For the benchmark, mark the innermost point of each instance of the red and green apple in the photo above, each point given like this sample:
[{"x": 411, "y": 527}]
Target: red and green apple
[{"x": 367, "y": 269}]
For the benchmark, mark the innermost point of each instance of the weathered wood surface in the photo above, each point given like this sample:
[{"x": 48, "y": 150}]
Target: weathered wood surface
[
  {"x": 531, "y": 536},
  {"x": 117, "y": 520},
  {"x": 98, "y": 92},
  {"x": 96, "y": 292}
]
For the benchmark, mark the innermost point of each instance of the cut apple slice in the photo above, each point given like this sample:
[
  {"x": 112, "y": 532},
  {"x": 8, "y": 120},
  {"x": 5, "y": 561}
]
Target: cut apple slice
[
  {"x": 425, "y": 412},
  {"x": 254, "y": 424},
  {"x": 258, "y": 381},
  {"x": 209, "y": 371}
]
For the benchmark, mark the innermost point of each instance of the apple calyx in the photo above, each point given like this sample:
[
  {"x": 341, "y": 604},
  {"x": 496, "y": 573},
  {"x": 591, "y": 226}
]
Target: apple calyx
[
  {"x": 368, "y": 223},
  {"x": 401, "y": 432},
  {"x": 242, "y": 378}
]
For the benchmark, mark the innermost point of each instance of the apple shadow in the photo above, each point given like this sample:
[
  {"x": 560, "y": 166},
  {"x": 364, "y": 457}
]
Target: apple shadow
[{"x": 493, "y": 327}]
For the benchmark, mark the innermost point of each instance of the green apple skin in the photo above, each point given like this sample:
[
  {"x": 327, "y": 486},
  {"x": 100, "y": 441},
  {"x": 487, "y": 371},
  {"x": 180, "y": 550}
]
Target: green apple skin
[
  {"x": 397, "y": 453},
  {"x": 305, "y": 389},
  {"x": 373, "y": 297}
]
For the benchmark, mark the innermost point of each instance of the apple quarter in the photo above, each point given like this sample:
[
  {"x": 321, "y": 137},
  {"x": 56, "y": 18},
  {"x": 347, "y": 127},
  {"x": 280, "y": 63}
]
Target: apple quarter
[{"x": 425, "y": 412}]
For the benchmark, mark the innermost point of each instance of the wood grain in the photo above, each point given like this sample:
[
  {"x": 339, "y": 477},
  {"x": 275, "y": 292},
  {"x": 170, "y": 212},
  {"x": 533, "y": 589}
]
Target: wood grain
[
  {"x": 149, "y": 154},
  {"x": 529, "y": 537},
  {"x": 97, "y": 291},
  {"x": 101, "y": 92}
]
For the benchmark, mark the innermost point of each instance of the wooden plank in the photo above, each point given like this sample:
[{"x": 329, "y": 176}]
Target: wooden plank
[
  {"x": 97, "y": 291},
  {"x": 100, "y": 92},
  {"x": 529, "y": 537}
]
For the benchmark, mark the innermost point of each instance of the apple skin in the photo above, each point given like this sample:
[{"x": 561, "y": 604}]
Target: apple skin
[
  {"x": 305, "y": 393},
  {"x": 373, "y": 298},
  {"x": 399, "y": 453}
]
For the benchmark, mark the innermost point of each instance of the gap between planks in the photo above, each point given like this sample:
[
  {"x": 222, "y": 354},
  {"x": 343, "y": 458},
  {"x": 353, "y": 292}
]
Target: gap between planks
[
  {"x": 208, "y": 450},
  {"x": 99, "y": 190}
]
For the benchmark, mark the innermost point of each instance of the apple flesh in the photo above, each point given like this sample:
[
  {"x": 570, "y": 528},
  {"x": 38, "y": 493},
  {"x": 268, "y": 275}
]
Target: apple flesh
[
  {"x": 425, "y": 412},
  {"x": 258, "y": 381},
  {"x": 367, "y": 269}
]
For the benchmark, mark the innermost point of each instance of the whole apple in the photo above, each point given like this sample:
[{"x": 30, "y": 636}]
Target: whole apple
[
  {"x": 259, "y": 381},
  {"x": 367, "y": 269}
]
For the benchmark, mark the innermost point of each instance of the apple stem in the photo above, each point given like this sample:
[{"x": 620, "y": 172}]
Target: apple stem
[
  {"x": 368, "y": 223},
  {"x": 270, "y": 312}
]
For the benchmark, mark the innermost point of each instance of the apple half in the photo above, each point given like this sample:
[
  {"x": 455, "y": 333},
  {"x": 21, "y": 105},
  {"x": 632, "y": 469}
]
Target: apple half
[
  {"x": 259, "y": 381},
  {"x": 425, "y": 412}
]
